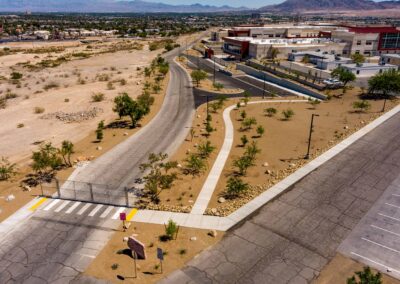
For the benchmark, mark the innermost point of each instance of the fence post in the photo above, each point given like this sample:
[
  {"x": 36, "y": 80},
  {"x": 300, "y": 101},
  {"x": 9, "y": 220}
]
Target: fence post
[
  {"x": 126, "y": 197},
  {"x": 91, "y": 192},
  {"x": 58, "y": 188}
]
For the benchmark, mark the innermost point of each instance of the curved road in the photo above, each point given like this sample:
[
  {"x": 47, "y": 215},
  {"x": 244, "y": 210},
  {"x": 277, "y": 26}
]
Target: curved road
[{"x": 120, "y": 166}]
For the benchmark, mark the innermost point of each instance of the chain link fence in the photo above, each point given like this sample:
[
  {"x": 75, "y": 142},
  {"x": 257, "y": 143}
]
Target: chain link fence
[{"x": 90, "y": 192}]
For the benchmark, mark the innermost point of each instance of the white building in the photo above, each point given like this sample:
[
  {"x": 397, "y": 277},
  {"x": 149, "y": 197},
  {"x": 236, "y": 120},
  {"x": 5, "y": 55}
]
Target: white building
[{"x": 368, "y": 69}]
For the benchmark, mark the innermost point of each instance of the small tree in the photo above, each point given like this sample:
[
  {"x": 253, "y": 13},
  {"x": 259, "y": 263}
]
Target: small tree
[
  {"x": 46, "y": 159},
  {"x": 270, "y": 111},
  {"x": 287, "y": 114},
  {"x": 385, "y": 84},
  {"x": 343, "y": 75},
  {"x": 205, "y": 149},
  {"x": 66, "y": 150},
  {"x": 209, "y": 128},
  {"x": 235, "y": 187},
  {"x": 243, "y": 114},
  {"x": 195, "y": 165},
  {"x": 218, "y": 86},
  {"x": 198, "y": 76},
  {"x": 366, "y": 277},
  {"x": 260, "y": 131},
  {"x": 361, "y": 106},
  {"x": 248, "y": 123},
  {"x": 124, "y": 105},
  {"x": 7, "y": 169},
  {"x": 99, "y": 131},
  {"x": 252, "y": 150},
  {"x": 358, "y": 58},
  {"x": 242, "y": 164},
  {"x": 192, "y": 133},
  {"x": 244, "y": 140},
  {"x": 171, "y": 230},
  {"x": 158, "y": 176},
  {"x": 246, "y": 98}
]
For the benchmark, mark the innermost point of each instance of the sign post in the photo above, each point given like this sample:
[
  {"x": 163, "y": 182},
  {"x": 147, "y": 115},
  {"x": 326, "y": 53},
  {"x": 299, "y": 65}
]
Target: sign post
[
  {"x": 122, "y": 217},
  {"x": 134, "y": 257},
  {"x": 160, "y": 256}
]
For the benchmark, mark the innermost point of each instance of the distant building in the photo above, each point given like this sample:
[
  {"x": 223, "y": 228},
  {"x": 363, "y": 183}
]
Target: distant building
[
  {"x": 368, "y": 69},
  {"x": 367, "y": 40},
  {"x": 321, "y": 60},
  {"x": 393, "y": 59}
]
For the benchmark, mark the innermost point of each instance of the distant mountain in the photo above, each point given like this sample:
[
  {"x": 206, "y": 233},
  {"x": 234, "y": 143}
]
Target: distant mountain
[
  {"x": 331, "y": 5},
  {"x": 102, "y": 6}
]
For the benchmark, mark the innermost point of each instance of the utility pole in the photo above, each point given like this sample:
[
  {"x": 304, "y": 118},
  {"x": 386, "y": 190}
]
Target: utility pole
[
  {"x": 309, "y": 137},
  {"x": 214, "y": 68},
  {"x": 263, "y": 96}
]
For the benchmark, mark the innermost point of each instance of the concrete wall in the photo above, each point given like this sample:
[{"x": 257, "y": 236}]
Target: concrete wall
[{"x": 278, "y": 81}]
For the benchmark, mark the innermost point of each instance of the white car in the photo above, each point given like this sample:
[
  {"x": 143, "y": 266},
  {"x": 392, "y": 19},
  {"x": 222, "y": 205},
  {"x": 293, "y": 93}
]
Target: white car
[{"x": 333, "y": 83}]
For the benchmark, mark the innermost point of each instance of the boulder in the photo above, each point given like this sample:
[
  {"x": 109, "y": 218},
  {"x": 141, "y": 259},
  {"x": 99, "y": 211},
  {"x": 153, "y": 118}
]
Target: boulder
[
  {"x": 265, "y": 165},
  {"x": 221, "y": 200},
  {"x": 213, "y": 233},
  {"x": 193, "y": 239},
  {"x": 10, "y": 197},
  {"x": 99, "y": 148}
]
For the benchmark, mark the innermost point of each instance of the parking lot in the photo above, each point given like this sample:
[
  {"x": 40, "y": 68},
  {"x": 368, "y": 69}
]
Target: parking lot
[{"x": 376, "y": 239}]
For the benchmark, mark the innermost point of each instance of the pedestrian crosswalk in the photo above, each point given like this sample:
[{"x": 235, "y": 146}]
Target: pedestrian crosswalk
[{"x": 83, "y": 209}]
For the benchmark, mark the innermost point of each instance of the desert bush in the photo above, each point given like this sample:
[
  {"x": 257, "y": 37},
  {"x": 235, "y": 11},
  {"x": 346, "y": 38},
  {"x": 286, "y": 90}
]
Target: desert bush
[
  {"x": 16, "y": 76},
  {"x": 103, "y": 77},
  {"x": 361, "y": 106},
  {"x": 110, "y": 86},
  {"x": 97, "y": 97},
  {"x": 287, "y": 114},
  {"x": 218, "y": 86},
  {"x": 10, "y": 95},
  {"x": 171, "y": 230},
  {"x": 235, "y": 187},
  {"x": 7, "y": 169},
  {"x": 38, "y": 110},
  {"x": 50, "y": 85},
  {"x": 20, "y": 125},
  {"x": 270, "y": 111}
]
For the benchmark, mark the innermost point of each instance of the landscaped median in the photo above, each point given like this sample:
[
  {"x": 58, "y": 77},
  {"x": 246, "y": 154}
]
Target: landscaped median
[{"x": 277, "y": 131}]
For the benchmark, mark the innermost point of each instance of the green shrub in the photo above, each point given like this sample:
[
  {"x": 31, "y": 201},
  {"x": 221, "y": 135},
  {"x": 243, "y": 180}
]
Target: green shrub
[
  {"x": 97, "y": 97},
  {"x": 287, "y": 114},
  {"x": 38, "y": 110}
]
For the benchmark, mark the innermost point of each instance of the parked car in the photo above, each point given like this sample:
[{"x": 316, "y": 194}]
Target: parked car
[{"x": 333, "y": 83}]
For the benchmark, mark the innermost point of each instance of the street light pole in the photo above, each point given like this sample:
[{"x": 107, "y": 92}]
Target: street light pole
[
  {"x": 214, "y": 68},
  {"x": 309, "y": 137},
  {"x": 263, "y": 96}
]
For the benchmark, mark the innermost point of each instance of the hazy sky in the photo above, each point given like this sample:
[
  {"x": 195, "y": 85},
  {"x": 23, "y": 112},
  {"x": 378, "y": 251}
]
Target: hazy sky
[{"x": 233, "y": 3}]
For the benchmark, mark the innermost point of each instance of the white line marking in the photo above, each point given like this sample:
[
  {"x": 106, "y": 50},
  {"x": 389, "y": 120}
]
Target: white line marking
[
  {"x": 83, "y": 209},
  {"x": 51, "y": 205},
  {"x": 378, "y": 244},
  {"x": 392, "y": 205},
  {"x": 61, "y": 207},
  {"x": 116, "y": 215},
  {"x": 394, "y": 194},
  {"x": 373, "y": 261},
  {"x": 389, "y": 217},
  {"x": 72, "y": 208},
  {"x": 379, "y": 228},
  {"x": 107, "y": 211},
  {"x": 95, "y": 210}
]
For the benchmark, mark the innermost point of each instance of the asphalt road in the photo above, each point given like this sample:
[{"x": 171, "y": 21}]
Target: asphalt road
[
  {"x": 291, "y": 239},
  {"x": 120, "y": 166}
]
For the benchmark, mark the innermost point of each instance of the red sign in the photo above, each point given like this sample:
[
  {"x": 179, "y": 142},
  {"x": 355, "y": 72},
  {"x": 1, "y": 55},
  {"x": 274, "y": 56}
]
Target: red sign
[
  {"x": 137, "y": 247},
  {"x": 122, "y": 216}
]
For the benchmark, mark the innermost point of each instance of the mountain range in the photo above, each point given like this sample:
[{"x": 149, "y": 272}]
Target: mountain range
[
  {"x": 101, "y": 6},
  {"x": 331, "y": 5}
]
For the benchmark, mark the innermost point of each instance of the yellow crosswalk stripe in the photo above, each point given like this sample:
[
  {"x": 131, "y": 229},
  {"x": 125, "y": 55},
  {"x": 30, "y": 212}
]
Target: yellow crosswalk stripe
[
  {"x": 37, "y": 204},
  {"x": 131, "y": 214}
]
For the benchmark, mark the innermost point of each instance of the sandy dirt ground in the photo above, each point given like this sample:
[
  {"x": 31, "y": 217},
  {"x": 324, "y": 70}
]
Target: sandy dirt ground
[
  {"x": 17, "y": 143},
  {"x": 341, "y": 268},
  {"x": 178, "y": 252}
]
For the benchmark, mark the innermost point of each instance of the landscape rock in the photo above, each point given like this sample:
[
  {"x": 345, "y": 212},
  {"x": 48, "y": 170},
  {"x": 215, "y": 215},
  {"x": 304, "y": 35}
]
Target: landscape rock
[
  {"x": 10, "y": 197},
  {"x": 221, "y": 200},
  {"x": 26, "y": 188},
  {"x": 268, "y": 172},
  {"x": 213, "y": 233},
  {"x": 99, "y": 148},
  {"x": 179, "y": 166},
  {"x": 70, "y": 117},
  {"x": 193, "y": 239},
  {"x": 265, "y": 164},
  {"x": 125, "y": 239},
  {"x": 214, "y": 210},
  {"x": 346, "y": 127},
  {"x": 126, "y": 133}
]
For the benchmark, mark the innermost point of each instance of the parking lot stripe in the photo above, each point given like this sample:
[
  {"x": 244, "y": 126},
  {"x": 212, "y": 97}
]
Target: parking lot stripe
[
  {"x": 394, "y": 194},
  {"x": 379, "y": 228},
  {"x": 37, "y": 204},
  {"x": 378, "y": 244},
  {"x": 72, "y": 208},
  {"x": 107, "y": 211},
  {"x": 116, "y": 215},
  {"x": 51, "y": 205},
  {"x": 373, "y": 261},
  {"x": 95, "y": 210},
  {"x": 392, "y": 205},
  {"x": 83, "y": 209},
  {"x": 61, "y": 207},
  {"x": 389, "y": 217}
]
